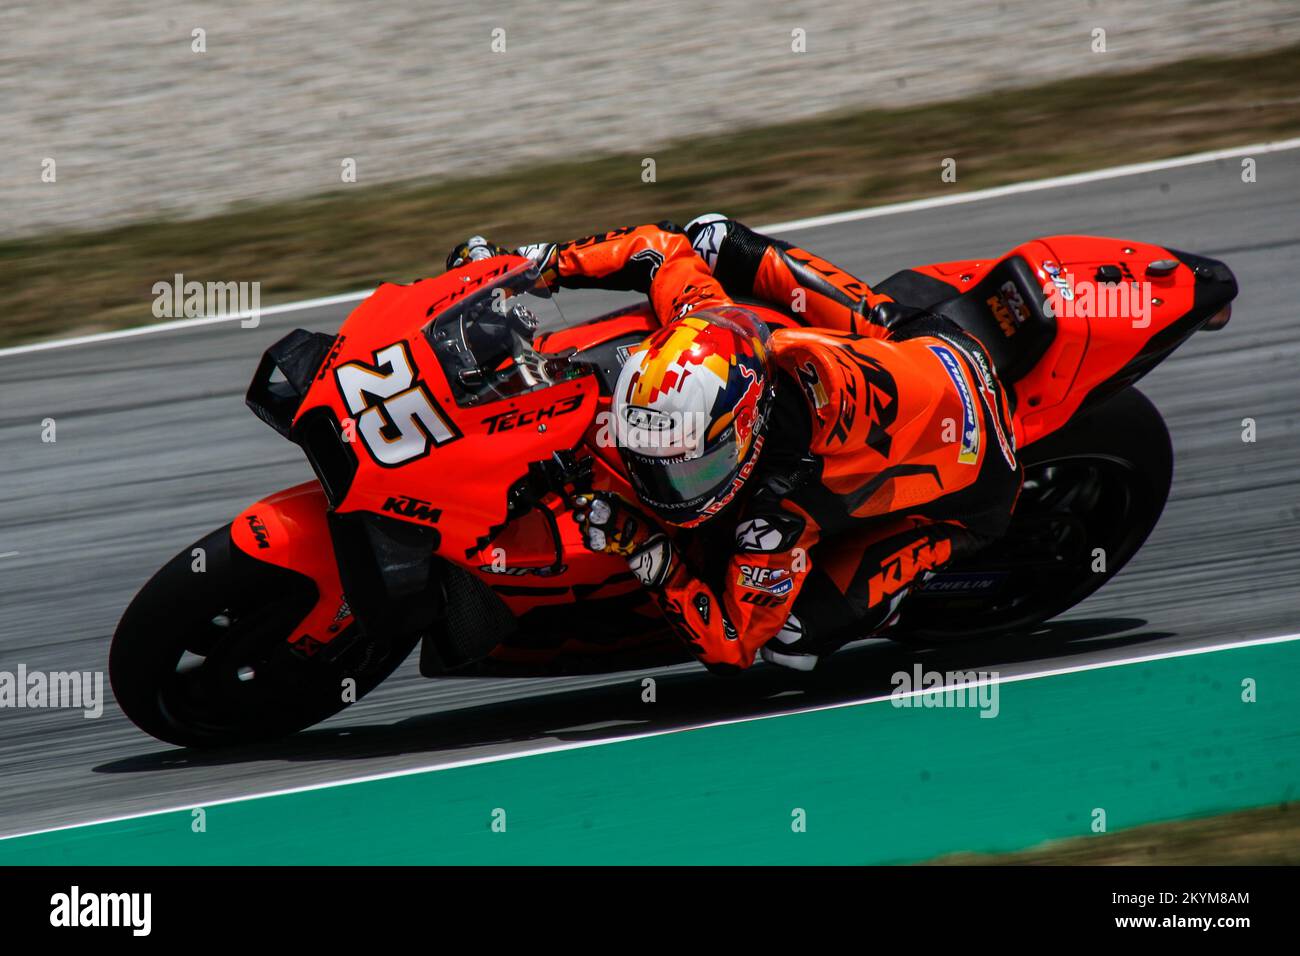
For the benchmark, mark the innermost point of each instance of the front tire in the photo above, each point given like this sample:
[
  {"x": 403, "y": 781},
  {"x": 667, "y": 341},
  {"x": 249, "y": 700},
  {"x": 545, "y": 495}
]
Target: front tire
[{"x": 201, "y": 659}]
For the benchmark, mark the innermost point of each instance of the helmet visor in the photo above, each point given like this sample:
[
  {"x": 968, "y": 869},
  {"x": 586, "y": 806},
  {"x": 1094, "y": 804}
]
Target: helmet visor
[{"x": 678, "y": 484}]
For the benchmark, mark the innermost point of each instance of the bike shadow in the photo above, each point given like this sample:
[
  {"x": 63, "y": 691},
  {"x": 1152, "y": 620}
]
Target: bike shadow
[{"x": 684, "y": 696}]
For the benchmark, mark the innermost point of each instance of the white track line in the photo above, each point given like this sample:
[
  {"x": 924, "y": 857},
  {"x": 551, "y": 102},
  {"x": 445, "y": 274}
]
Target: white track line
[
  {"x": 179, "y": 324},
  {"x": 794, "y": 225},
  {"x": 604, "y": 741},
  {"x": 1034, "y": 185}
]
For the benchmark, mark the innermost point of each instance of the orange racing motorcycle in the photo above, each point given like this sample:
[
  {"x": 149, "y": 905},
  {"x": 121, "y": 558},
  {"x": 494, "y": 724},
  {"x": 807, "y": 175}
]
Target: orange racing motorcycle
[{"x": 449, "y": 422}]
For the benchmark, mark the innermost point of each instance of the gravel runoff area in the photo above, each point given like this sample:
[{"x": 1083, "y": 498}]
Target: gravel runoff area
[{"x": 141, "y": 127}]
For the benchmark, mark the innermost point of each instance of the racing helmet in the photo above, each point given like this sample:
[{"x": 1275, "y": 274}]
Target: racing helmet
[{"x": 690, "y": 409}]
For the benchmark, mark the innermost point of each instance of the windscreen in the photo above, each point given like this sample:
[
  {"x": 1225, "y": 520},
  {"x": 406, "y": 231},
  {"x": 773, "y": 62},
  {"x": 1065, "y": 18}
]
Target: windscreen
[{"x": 485, "y": 342}]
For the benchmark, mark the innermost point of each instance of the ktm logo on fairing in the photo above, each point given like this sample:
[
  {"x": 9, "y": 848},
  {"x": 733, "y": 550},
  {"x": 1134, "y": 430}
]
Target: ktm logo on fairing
[
  {"x": 409, "y": 507},
  {"x": 260, "y": 533},
  {"x": 903, "y": 566}
]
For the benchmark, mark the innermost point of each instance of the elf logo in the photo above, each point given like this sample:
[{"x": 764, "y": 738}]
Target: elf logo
[
  {"x": 772, "y": 580},
  {"x": 77, "y": 909}
]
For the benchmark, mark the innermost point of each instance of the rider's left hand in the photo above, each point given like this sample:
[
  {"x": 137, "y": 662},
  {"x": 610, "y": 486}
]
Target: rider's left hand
[
  {"x": 473, "y": 249},
  {"x": 611, "y": 525}
]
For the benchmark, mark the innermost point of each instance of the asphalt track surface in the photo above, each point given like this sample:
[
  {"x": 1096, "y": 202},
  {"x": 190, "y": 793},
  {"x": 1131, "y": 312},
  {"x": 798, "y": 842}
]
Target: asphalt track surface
[{"x": 154, "y": 447}]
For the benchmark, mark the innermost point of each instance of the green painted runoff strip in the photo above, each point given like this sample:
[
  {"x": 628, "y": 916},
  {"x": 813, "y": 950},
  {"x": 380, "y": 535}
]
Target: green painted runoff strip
[{"x": 1144, "y": 742}]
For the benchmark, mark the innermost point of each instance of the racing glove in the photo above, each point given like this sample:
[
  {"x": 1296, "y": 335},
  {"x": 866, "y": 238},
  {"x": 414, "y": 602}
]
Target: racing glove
[
  {"x": 611, "y": 525},
  {"x": 547, "y": 257},
  {"x": 473, "y": 249},
  {"x": 545, "y": 254}
]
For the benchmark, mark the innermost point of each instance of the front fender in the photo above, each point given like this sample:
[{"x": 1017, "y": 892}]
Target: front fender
[{"x": 289, "y": 529}]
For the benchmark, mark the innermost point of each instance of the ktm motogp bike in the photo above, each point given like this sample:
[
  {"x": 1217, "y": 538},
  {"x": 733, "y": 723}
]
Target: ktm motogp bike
[{"x": 449, "y": 422}]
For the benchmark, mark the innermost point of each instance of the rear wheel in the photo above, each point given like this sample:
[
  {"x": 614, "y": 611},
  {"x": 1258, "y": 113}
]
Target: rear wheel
[
  {"x": 1093, "y": 492},
  {"x": 202, "y": 659}
]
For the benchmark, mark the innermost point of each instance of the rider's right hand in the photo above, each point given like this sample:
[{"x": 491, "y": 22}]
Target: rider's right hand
[{"x": 547, "y": 257}]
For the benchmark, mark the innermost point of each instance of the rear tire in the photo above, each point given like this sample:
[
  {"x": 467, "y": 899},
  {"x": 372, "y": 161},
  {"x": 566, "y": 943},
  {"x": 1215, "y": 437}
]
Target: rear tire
[
  {"x": 1099, "y": 482},
  {"x": 201, "y": 659}
]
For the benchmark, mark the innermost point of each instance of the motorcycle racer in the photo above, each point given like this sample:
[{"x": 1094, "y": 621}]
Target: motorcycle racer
[{"x": 798, "y": 482}]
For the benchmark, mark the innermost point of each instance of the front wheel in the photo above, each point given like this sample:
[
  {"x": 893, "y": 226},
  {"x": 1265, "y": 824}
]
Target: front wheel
[
  {"x": 1093, "y": 492},
  {"x": 201, "y": 657}
]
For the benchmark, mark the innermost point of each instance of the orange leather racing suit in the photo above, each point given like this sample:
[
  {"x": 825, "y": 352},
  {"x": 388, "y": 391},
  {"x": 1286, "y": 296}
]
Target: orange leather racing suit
[{"x": 890, "y": 450}]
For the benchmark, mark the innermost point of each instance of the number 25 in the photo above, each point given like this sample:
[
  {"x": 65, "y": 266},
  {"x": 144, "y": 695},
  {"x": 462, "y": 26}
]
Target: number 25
[{"x": 396, "y": 416}]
